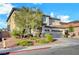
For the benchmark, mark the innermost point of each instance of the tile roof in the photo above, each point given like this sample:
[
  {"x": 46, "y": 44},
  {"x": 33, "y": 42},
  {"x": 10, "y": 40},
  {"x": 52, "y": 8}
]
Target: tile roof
[{"x": 74, "y": 24}]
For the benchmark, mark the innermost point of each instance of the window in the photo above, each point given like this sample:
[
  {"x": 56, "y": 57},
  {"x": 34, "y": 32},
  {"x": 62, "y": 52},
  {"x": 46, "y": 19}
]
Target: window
[
  {"x": 46, "y": 29},
  {"x": 44, "y": 19},
  {"x": 56, "y": 31},
  {"x": 8, "y": 27}
]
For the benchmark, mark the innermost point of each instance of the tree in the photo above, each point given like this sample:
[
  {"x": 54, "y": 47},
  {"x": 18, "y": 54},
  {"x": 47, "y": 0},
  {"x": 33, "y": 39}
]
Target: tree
[
  {"x": 22, "y": 18},
  {"x": 36, "y": 22},
  {"x": 28, "y": 18}
]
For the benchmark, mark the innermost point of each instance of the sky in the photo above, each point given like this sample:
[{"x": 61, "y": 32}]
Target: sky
[{"x": 65, "y": 11}]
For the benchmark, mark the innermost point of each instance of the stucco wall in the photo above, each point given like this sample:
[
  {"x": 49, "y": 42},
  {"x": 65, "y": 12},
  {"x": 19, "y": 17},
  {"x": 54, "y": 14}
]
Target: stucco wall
[
  {"x": 76, "y": 31},
  {"x": 11, "y": 22},
  {"x": 56, "y": 23}
]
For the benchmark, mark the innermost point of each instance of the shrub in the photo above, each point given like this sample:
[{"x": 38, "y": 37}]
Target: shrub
[
  {"x": 15, "y": 33},
  {"x": 33, "y": 38},
  {"x": 48, "y": 37},
  {"x": 24, "y": 43},
  {"x": 42, "y": 41},
  {"x": 71, "y": 29},
  {"x": 30, "y": 43}
]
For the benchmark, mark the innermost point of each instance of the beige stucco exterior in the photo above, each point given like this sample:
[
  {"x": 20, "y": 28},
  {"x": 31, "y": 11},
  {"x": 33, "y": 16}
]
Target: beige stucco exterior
[
  {"x": 11, "y": 22},
  {"x": 56, "y": 23}
]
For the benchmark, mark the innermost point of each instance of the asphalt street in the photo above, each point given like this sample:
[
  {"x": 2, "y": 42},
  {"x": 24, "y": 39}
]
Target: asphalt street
[{"x": 71, "y": 50}]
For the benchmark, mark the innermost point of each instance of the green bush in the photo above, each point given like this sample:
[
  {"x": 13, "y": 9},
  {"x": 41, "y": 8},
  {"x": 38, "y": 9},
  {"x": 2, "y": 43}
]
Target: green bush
[
  {"x": 71, "y": 29},
  {"x": 34, "y": 38},
  {"x": 30, "y": 43},
  {"x": 24, "y": 43},
  {"x": 15, "y": 33},
  {"x": 42, "y": 41},
  {"x": 48, "y": 37}
]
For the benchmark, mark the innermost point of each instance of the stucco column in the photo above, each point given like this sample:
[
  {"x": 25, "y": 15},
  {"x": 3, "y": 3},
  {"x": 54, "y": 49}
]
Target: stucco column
[{"x": 63, "y": 33}]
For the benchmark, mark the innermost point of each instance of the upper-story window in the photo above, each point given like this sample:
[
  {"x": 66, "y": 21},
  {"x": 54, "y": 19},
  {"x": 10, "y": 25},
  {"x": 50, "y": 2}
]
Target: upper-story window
[{"x": 44, "y": 19}]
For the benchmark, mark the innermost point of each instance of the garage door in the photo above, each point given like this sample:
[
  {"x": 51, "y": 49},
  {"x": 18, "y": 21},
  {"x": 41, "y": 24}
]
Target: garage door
[{"x": 56, "y": 33}]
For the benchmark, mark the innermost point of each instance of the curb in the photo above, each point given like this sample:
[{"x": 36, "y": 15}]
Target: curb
[{"x": 24, "y": 51}]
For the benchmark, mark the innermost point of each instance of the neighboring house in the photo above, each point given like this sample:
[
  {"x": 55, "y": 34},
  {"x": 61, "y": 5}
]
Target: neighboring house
[{"x": 75, "y": 25}]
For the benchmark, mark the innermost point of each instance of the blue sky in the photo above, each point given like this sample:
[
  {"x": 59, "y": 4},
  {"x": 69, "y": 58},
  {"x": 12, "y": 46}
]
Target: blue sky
[{"x": 65, "y": 11}]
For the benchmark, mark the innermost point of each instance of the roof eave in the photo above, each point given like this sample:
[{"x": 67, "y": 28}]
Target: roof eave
[{"x": 13, "y": 9}]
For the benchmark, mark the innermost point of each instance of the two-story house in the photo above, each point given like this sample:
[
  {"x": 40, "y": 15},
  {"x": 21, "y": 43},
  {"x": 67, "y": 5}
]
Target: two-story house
[{"x": 50, "y": 25}]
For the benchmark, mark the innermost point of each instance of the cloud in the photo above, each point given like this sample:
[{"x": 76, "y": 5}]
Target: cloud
[
  {"x": 5, "y": 8},
  {"x": 64, "y": 18},
  {"x": 52, "y": 14}
]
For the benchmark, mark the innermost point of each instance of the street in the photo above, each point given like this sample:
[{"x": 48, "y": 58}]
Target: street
[{"x": 73, "y": 50}]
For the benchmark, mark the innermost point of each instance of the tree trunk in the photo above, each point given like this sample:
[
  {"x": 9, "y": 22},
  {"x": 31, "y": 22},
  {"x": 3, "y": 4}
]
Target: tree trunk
[{"x": 30, "y": 30}]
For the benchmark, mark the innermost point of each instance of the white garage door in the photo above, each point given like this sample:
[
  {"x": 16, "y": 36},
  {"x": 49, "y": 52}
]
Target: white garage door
[{"x": 56, "y": 33}]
